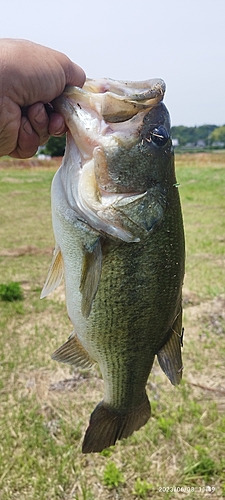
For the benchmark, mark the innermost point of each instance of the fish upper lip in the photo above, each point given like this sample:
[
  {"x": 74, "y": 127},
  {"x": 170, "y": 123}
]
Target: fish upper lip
[
  {"x": 140, "y": 90},
  {"x": 106, "y": 97},
  {"x": 99, "y": 112}
]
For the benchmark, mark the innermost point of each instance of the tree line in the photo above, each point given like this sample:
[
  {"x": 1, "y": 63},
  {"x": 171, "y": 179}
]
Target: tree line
[
  {"x": 205, "y": 135},
  {"x": 202, "y": 136}
]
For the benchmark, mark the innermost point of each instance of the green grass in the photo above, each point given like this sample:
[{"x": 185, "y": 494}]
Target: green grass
[
  {"x": 202, "y": 191},
  {"x": 112, "y": 476},
  {"x": 45, "y": 406},
  {"x": 10, "y": 292}
]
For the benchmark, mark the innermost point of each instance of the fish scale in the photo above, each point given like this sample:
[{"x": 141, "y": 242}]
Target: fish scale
[
  {"x": 129, "y": 328},
  {"x": 120, "y": 244}
]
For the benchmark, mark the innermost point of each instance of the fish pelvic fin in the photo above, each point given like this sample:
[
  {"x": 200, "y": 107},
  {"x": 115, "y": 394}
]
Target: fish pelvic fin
[
  {"x": 169, "y": 356},
  {"x": 90, "y": 276},
  {"x": 107, "y": 425},
  {"x": 55, "y": 273},
  {"x": 73, "y": 353}
]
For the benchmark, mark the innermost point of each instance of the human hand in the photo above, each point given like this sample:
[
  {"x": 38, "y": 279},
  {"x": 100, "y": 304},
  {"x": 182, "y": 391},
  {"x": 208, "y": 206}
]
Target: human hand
[{"x": 31, "y": 77}]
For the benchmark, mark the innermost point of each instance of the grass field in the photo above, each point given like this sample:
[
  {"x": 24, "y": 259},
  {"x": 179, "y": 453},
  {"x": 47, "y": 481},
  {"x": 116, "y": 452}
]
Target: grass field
[{"x": 45, "y": 406}]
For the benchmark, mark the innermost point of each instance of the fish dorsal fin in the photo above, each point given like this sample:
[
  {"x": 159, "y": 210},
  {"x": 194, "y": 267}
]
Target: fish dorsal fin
[
  {"x": 90, "y": 276},
  {"x": 169, "y": 357},
  {"x": 55, "y": 273},
  {"x": 73, "y": 353}
]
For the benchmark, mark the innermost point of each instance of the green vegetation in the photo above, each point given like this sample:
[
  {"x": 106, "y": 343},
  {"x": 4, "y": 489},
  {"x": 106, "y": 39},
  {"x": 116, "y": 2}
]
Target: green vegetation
[
  {"x": 192, "y": 134},
  {"x": 205, "y": 136},
  {"x": 218, "y": 134},
  {"x": 55, "y": 146},
  {"x": 112, "y": 476},
  {"x": 11, "y": 291},
  {"x": 142, "y": 488},
  {"x": 45, "y": 406}
]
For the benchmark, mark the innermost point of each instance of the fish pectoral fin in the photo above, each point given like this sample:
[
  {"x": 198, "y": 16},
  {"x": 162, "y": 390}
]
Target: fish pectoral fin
[
  {"x": 108, "y": 424},
  {"x": 55, "y": 273},
  {"x": 169, "y": 357},
  {"x": 90, "y": 276},
  {"x": 73, "y": 353}
]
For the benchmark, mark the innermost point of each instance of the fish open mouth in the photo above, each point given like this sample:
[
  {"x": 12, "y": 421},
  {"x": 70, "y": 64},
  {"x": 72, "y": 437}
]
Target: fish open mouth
[
  {"x": 103, "y": 117},
  {"x": 118, "y": 101},
  {"x": 102, "y": 106}
]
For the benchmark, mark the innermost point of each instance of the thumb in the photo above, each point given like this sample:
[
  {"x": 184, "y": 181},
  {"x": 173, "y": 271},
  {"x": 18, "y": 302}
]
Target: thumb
[{"x": 74, "y": 74}]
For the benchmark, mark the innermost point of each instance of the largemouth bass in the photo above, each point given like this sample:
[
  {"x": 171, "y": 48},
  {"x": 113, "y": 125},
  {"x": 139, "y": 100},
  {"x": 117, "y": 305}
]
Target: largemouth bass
[{"x": 120, "y": 245}]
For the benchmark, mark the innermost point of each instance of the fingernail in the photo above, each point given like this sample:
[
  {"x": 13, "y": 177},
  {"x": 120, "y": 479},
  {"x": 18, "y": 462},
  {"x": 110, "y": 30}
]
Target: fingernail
[
  {"x": 60, "y": 130},
  {"x": 27, "y": 127},
  {"x": 40, "y": 116}
]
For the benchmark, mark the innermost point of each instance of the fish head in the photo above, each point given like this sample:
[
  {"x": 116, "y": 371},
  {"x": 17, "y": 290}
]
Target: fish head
[{"x": 119, "y": 133}]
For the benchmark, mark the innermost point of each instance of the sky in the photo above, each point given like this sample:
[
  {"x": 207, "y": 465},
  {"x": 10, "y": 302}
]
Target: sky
[{"x": 181, "y": 41}]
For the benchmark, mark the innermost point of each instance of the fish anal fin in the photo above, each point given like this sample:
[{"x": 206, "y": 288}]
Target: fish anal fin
[
  {"x": 55, "y": 273},
  {"x": 73, "y": 353},
  {"x": 169, "y": 356},
  {"x": 108, "y": 424},
  {"x": 90, "y": 276}
]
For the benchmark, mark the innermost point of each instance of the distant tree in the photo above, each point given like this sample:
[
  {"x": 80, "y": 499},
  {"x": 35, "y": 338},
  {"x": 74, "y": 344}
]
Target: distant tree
[
  {"x": 55, "y": 146},
  {"x": 183, "y": 134},
  {"x": 218, "y": 135},
  {"x": 192, "y": 134},
  {"x": 203, "y": 132}
]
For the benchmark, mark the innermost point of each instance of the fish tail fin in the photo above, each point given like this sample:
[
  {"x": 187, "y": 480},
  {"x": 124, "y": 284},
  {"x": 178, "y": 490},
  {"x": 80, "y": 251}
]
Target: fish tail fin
[{"x": 107, "y": 425}]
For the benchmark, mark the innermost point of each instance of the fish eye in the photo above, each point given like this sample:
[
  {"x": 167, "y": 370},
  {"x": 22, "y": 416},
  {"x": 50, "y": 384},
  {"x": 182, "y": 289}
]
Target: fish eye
[{"x": 159, "y": 135}]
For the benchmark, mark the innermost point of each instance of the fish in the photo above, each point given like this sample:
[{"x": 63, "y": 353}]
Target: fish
[{"x": 119, "y": 244}]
